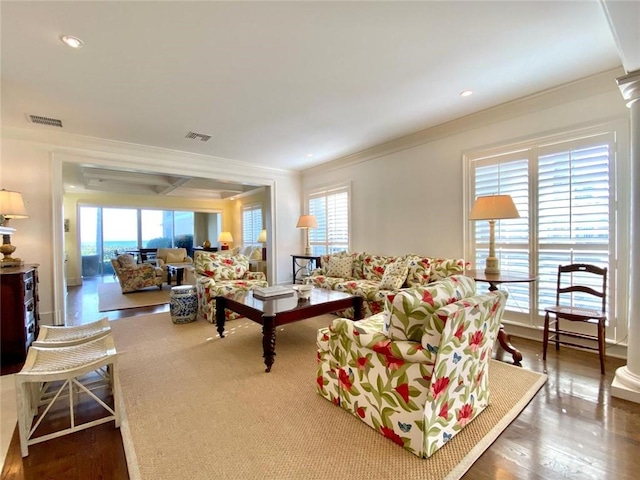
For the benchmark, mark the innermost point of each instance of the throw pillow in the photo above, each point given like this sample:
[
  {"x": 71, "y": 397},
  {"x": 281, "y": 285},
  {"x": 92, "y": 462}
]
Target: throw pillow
[
  {"x": 394, "y": 275},
  {"x": 126, "y": 260},
  {"x": 256, "y": 254},
  {"x": 339, "y": 266},
  {"x": 174, "y": 257}
]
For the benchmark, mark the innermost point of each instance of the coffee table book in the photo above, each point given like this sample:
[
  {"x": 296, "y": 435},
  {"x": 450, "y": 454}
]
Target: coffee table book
[{"x": 264, "y": 293}]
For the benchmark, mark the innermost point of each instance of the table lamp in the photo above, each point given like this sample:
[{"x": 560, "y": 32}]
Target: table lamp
[
  {"x": 492, "y": 208},
  {"x": 307, "y": 222},
  {"x": 262, "y": 238},
  {"x": 224, "y": 238},
  {"x": 11, "y": 206}
]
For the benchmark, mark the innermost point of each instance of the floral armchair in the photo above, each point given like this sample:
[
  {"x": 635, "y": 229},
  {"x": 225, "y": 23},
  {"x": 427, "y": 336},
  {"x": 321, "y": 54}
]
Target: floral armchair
[
  {"x": 219, "y": 274},
  {"x": 135, "y": 276},
  {"x": 418, "y": 374}
]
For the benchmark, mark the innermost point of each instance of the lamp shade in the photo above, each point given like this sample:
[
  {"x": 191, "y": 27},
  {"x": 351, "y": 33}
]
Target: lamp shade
[
  {"x": 307, "y": 221},
  {"x": 11, "y": 205},
  {"x": 262, "y": 238},
  {"x": 225, "y": 237},
  {"x": 494, "y": 207}
]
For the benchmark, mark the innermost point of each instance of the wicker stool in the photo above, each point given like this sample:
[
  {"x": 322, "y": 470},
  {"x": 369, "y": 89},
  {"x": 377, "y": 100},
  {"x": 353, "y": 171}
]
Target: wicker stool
[
  {"x": 68, "y": 336},
  {"x": 183, "y": 304},
  {"x": 50, "y": 374}
]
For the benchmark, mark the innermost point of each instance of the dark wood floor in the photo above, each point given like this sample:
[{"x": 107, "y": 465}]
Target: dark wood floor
[{"x": 573, "y": 428}]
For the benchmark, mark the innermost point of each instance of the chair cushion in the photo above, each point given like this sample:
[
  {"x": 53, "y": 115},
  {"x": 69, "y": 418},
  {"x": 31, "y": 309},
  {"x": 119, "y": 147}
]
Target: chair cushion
[
  {"x": 126, "y": 260},
  {"x": 394, "y": 275},
  {"x": 175, "y": 257}
]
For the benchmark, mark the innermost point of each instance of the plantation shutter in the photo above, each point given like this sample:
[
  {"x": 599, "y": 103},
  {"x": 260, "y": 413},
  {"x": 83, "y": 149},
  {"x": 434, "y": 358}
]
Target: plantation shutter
[
  {"x": 331, "y": 209},
  {"x": 251, "y": 224}
]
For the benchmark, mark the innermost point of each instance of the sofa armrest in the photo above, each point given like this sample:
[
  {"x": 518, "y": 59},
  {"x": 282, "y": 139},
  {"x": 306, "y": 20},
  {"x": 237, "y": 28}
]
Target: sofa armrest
[{"x": 254, "y": 276}]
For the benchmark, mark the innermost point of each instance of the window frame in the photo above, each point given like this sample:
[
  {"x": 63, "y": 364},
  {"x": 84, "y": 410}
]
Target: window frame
[
  {"x": 619, "y": 208},
  {"x": 324, "y": 246}
]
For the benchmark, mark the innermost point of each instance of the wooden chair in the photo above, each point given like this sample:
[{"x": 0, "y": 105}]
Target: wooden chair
[{"x": 569, "y": 292}]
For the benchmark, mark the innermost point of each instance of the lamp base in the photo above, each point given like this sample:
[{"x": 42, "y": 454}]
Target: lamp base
[
  {"x": 307, "y": 250},
  {"x": 264, "y": 254},
  {"x": 492, "y": 266},
  {"x": 224, "y": 247}
]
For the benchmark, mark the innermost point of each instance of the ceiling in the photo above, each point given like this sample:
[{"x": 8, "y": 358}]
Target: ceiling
[{"x": 287, "y": 85}]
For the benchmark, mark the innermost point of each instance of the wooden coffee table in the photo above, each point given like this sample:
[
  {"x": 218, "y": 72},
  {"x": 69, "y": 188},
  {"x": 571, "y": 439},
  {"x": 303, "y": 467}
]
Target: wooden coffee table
[{"x": 282, "y": 310}]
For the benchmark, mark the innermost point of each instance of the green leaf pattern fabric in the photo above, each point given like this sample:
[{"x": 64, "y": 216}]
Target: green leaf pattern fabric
[{"x": 416, "y": 399}]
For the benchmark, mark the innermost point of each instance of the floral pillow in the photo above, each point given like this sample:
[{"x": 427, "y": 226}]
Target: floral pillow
[
  {"x": 394, "y": 275},
  {"x": 419, "y": 270},
  {"x": 339, "y": 266},
  {"x": 126, "y": 260}
]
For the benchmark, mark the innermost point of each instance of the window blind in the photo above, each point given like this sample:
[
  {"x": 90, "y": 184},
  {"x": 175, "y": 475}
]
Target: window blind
[
  {"x": 251, "y": 224},
  {"x": 331, "y": 209}
]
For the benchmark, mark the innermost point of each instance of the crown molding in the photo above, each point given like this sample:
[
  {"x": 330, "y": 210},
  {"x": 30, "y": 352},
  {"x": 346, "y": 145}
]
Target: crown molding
[
  {"x": 79, "y": 148},
  {"x": 600, "y": 83}
]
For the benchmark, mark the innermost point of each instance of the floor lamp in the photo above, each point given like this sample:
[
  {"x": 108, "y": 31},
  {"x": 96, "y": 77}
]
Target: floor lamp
[
  {"x": 492, "y": 208},
  {"x": 307, "y": 222}
]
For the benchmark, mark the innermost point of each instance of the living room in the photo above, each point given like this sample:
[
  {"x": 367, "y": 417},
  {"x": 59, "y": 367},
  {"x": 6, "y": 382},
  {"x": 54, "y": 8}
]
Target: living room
[{"x": 408, "y": 192}]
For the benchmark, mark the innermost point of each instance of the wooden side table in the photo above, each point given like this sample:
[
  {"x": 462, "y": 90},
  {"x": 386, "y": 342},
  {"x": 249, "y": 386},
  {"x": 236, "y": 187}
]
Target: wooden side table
[{"x": 494, "y": 280}]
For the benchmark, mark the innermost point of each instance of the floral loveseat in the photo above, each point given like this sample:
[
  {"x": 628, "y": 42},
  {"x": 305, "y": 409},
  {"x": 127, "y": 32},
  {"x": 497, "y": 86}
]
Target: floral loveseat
[
  {"x": 219, "y": 274},
  {"x": 419, "y": 373},
  {"x": 374, "y": 277}
]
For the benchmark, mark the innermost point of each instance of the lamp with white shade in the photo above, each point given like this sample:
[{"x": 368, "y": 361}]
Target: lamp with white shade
[
  {"x": 307, "y": 222},
  {"x": 262, "y": 238},
  {"x": 11, "y": 206},
  {"x": 492, "y": 208},
  {"x": 225, "y": 238}
]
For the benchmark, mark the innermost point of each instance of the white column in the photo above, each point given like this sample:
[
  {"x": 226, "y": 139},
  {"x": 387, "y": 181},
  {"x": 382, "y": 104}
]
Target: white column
[{"x": 626, "y": 384}]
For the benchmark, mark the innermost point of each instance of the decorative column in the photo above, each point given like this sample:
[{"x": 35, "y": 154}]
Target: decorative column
[{"x": 626, "y": 384}]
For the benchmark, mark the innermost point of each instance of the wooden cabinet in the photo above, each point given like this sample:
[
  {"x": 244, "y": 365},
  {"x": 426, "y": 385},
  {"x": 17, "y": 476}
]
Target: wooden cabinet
[{"x": 19, "y": 314}]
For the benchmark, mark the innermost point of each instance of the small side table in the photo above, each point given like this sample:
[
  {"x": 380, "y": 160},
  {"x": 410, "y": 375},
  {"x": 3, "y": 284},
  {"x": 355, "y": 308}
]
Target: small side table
[
  {"x": 313, "y": 261},
  {"x": 494, "y": 280},
  {"x": 178, "y": 271}
]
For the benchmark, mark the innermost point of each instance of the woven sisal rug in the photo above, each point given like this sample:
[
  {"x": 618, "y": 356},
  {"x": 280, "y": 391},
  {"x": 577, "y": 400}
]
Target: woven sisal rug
[
  {"x": 110, "y": 297},
  {"x": 200, "y": 407}
]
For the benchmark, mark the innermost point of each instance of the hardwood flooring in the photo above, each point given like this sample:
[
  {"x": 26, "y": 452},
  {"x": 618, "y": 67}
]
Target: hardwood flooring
[{"x": 573, "y": 428}]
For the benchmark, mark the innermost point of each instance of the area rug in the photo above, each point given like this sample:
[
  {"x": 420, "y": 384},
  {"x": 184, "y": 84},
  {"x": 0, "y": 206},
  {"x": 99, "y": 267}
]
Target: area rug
[
  {"x": 110, "y": 297},
  {"x": 200, "y": 407}
]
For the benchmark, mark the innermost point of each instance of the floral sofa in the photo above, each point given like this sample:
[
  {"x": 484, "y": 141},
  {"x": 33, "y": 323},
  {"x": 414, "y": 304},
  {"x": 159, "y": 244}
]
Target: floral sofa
[
  {"x": 374, "y": 277},
  {"x": 134, "y": 276},
  {"x": 417, "y": 374},
  {"x": 220, "y": 273}
]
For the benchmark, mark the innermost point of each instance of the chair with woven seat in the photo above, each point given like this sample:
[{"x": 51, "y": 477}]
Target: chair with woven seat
[
  {"x": 53, "y": 336},
  {"x": 580, "y": 289},
  {"x": 53, "y": 374}
]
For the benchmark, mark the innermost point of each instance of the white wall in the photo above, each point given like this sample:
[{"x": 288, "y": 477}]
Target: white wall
[
  {"x": 408, "y": 195},
  {"x": 31, "y": 163}
]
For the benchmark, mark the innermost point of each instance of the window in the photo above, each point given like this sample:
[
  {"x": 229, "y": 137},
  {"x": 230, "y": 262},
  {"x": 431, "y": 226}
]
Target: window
[
  {"x": 564, "y": 191},
  {"x": 331, "y": 208},
  {"x": 251, "y": 224}
]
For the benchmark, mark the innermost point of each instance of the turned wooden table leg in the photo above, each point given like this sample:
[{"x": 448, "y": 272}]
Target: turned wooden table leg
[
  {"x": 220, "y": 306},
  {"x": 505, "y": 343},
  {"x": 268, "y": 341}
]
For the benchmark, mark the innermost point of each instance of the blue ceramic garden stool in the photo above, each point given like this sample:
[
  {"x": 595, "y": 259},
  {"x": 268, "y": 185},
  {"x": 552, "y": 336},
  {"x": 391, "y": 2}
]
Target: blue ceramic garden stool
[{"x": 183, "y": 304}]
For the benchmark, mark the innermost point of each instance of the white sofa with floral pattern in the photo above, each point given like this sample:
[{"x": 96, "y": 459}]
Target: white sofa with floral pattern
[
  {"x": 220, "y": 273},
  {"x": 374, "y": 277},
  {"x": 419, "y": 373}
]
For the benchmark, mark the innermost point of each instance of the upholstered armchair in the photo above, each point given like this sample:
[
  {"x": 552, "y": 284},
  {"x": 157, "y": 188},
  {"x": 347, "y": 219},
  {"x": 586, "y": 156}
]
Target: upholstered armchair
[
  {"x": 419, "y": 373},
  {"x": 220, "y": 274},
  {"x": 172, "y": 256},
  {"x": 135, "y": 276}
]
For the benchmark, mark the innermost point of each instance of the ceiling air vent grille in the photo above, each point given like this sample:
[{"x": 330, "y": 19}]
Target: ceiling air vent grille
[
  {"x": 198, "y": 136},
  {"x": 52, "y": 122}
]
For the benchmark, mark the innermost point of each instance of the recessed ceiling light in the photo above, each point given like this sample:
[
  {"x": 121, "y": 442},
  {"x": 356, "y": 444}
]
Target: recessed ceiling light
[
  {"x": 309, "y": 155},
  {"x": 466, "y": 93},
  {"x": 73, "y": 42}
]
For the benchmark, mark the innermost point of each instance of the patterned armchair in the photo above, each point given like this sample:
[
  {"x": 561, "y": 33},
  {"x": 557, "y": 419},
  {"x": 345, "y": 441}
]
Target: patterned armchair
[
  {"x": 219, "y": 274},
  {"x": 135, "y": 276},
  {"x": 419, "y": 374}
]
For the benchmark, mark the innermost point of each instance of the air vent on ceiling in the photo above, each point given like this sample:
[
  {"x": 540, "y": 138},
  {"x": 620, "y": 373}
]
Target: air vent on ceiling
[
  {"x": 52, "y": 122},
  {"x": 198, "y": 136}
]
